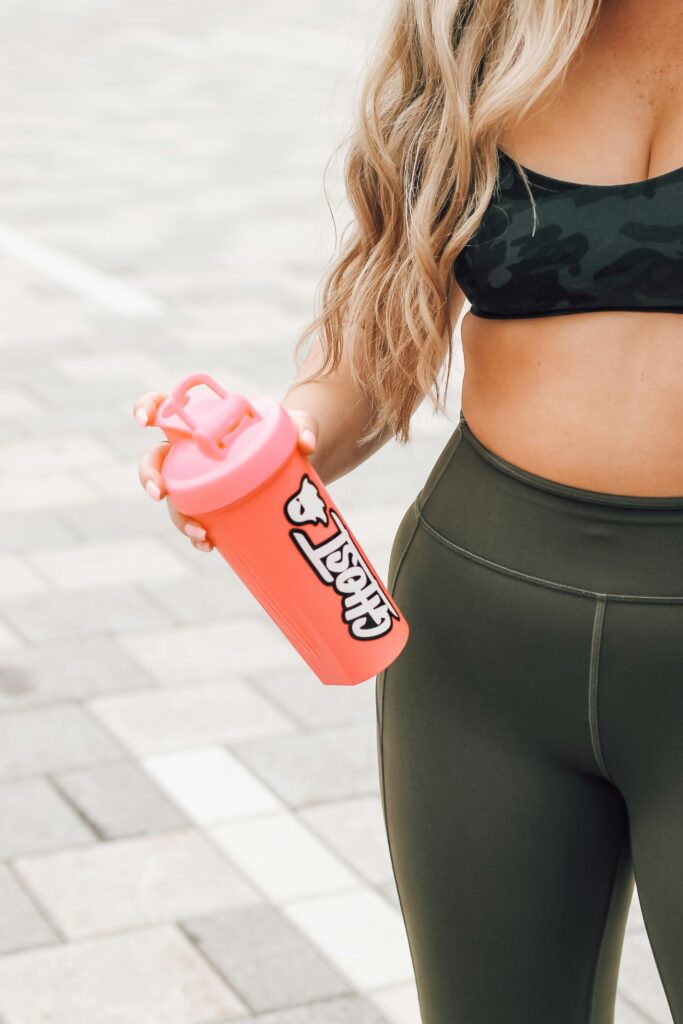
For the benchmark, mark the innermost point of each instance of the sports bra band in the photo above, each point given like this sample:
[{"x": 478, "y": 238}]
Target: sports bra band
[{"x": 593, "y": 247}]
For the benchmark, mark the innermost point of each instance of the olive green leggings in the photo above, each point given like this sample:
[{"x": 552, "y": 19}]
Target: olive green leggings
[{"x": 530, "y": 740}]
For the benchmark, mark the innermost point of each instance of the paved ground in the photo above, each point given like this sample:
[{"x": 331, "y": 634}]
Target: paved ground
[{"x": 190, "y": 824}]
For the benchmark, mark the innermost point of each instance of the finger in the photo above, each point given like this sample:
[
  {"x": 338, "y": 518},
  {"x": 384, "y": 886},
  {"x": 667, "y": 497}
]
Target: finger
[
  {"x": 307, "y": 427},
  {"x": 202, "y": 545},
  {"x": 307, "y": 440},
  {"x": 186, "y": 525},
  {"x": 149, "y": 470},
  {"x": 146, "y": 406}
]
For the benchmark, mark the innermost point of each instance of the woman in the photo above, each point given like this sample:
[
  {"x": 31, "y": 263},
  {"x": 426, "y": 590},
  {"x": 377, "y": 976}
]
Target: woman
[{"x": 530, "y": 734}]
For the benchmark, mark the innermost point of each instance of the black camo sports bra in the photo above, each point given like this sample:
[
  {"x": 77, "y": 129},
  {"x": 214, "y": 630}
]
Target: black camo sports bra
[{"x": 595, "y": 247}]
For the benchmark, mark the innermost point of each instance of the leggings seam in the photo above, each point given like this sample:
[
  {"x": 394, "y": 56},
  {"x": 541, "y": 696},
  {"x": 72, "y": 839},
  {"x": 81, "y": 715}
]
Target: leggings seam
[
  {"x": 392, "y": 583},
  {"x": 593, "y": 672},
  {"x": 386, "y": 829},
  {"x": 540, "y": 580},
  {"x": 458, "y": 435},
  {"x": 615, "y": 873}
]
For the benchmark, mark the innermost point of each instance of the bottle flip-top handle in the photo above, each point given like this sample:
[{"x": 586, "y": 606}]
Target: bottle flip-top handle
[{"x": 222, "y": 424}]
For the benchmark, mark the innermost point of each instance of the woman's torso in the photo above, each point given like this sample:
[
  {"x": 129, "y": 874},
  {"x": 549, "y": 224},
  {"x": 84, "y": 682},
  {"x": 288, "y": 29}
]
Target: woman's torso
[{"x": 594, "y": 399}]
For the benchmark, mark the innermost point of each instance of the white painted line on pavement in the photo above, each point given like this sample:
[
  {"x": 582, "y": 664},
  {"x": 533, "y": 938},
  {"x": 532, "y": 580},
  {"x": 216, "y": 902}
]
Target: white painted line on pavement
[{"x": 93, "y": 284}]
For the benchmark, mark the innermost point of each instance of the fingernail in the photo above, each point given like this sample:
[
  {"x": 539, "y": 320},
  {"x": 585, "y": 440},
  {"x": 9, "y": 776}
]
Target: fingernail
[
  {"x": 203, "y": 545},
  {"x": 308, "y": 437},
  {"x": 141, "y": 416},
  {"x": 153, "y": 490},
  {"x": 198, "y": 532}
]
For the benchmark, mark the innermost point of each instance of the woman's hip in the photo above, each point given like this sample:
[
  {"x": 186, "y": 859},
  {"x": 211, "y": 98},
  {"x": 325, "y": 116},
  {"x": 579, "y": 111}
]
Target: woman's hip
[{"x": 483, "y": 508}]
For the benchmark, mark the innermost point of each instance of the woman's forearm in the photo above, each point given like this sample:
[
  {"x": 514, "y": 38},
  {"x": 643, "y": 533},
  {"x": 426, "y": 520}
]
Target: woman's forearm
[{"x": 343, "y": 416}]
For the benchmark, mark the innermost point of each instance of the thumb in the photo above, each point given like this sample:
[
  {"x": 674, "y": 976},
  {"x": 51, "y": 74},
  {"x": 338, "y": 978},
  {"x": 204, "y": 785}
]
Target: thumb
[{"x": 307, "y": 426}]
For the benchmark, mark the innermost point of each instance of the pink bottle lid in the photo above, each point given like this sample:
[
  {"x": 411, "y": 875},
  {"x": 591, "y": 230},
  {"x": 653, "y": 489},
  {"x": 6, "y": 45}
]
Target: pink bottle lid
[{"x": 222, "y": 445}]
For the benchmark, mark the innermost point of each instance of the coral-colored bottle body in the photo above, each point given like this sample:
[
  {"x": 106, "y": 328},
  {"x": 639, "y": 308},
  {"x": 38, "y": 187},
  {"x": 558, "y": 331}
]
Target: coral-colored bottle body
[
  {"x": 310, "y": 574},
  {"x": 234, "y": 466}
]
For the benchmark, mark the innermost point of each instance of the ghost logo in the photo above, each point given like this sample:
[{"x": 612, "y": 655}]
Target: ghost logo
[
  {"x": 338, "y": 563},
  {"x": 306, "y": 506}
]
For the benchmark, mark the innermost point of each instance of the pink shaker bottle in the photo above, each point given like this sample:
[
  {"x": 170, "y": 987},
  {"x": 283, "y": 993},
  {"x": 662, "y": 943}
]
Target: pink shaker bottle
[{"x": 234, "y": 466}]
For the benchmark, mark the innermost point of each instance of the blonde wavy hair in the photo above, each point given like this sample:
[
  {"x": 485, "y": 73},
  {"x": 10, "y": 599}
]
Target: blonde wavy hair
[{"x": 448, "y": 77}]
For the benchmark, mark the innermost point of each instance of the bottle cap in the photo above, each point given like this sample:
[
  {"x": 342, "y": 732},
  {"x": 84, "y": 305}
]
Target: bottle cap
[{"x": 222, "y": 445}]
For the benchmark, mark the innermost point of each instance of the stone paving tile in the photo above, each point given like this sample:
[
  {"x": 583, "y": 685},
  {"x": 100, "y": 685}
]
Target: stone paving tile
[
  {"x": 390, "y": 893},
  {"x": 639, "y": 979},
  {"x": 626, "y": 1013},
  {"x": 10, "y": 641},
  {"x": 17, "y": 580},
  {"x": 329, "y": 764},
  {"x": 131, "y": 366},
  {"x": 21, "y": 924},
  {"x": 128, "y": 443},
  {"x": 215, "y": 596},
  {"x": 96, "y": 563},
  {"x": 635, "y": 920},
  {"x": 359, "y": 932},
  {"x": 152, "y": 976},
  {"x": 104, "y": 419},
  {"x": 398, "y": 1004},
  {"x": 34, "y": 817},
  {"x": 119, "y": 800},
  {"x": 50, "y": 739},
  {"x": 95, "y": 610},
  {"x": 117, "y": 482},
  {"x": 222, "y": 366},
  {"x": 173, "y": 717},
  {"x": 303, "y": 866},
  {"x": 244, "y": 644},
  {"x": 50, "y": 490},
  {"x": 126, "y": 883},
  {"x": 264, "y": 958},
  {"x": 312, "y": 703},
  {"x": 347, "y": 1010},
  {"x": 61, "y": 670},
  {"x": 355, "y": 828},
  {"x": 52, "y": 454},
  {"x": 211, "y": 785},
  {"x": 32, "y": 530},
  {"x": 16, "y": 403},
  {"x": 34, "y": 322},
  {"x": 116, "y": 516}
]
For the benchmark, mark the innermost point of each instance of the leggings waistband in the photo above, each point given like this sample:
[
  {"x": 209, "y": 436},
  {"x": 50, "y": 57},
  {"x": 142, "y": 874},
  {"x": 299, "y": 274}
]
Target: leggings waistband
[
  {"x": 480, "y": 505},
  {"x": 579, "y": 493}
]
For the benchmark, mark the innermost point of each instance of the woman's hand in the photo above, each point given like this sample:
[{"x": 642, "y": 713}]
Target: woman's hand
[{"x": 149, "y": 466}]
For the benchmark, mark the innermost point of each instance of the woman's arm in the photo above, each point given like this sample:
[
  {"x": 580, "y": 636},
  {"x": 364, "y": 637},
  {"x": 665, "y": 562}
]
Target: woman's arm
[{"x": 340, "y": 413}]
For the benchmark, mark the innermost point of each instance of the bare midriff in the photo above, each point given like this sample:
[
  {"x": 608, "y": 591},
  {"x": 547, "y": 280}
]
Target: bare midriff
[{"x": 593, "y": 400}]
